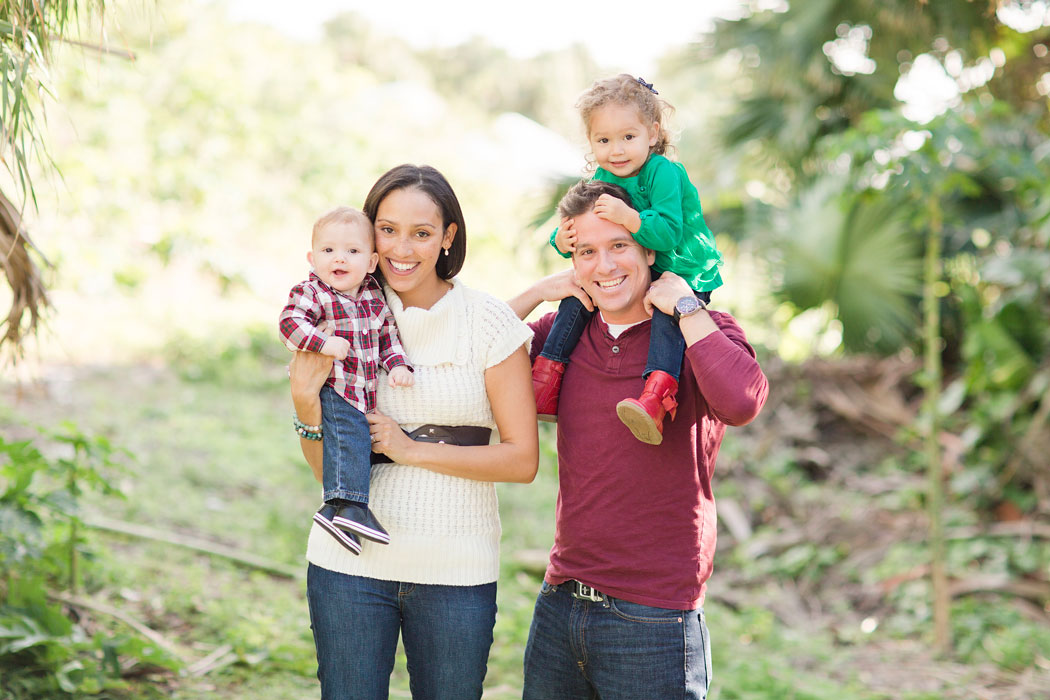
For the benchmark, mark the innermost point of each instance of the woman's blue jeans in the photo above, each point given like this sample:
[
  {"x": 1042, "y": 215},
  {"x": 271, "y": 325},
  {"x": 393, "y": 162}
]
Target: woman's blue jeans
[
  {"x": 666, "y": 344},
  {"x": 446, "y": 632}
]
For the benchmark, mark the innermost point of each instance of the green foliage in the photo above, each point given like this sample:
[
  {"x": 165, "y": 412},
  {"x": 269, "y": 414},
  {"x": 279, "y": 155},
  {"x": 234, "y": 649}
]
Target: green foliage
[
  {"x": 252, "y": 357},
  {"x": 27, "y": 30},
  {"x": 43, "y": 651},
  {"x": 855, "y": 253},
  {"x": 983, "y": 629}
]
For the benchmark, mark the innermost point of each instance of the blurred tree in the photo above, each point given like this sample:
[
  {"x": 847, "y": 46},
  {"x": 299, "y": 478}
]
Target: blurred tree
[
  {"x": 817, "y": 67},
  {"x": 849, "y": 194},
  {"x": 28, "y": 29}
]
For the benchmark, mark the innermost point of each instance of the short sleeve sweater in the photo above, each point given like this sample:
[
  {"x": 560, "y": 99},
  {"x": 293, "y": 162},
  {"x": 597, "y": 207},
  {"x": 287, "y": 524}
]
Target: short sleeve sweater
[{"x": 443, "y": 529}]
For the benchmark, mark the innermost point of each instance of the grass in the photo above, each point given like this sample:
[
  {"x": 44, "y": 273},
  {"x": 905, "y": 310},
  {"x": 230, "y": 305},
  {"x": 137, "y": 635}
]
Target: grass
[{"x": 215, "y": 458}]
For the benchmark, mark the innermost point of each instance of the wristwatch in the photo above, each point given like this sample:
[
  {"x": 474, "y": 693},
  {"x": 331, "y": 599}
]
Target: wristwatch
[{"x": 687, "y": 306}]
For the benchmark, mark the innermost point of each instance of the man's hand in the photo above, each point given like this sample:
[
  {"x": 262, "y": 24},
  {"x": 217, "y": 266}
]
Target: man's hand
[
  {"x": 665, "y": 292},
  {"x": 617, "y": 211},
  {"x": 565, "y": 238},
  {"x": 336, "y": 347},
  {"x": 401, "y": 376}
]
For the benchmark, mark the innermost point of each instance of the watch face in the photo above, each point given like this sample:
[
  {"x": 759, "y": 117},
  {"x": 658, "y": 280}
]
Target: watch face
[{"x": 687, "y": 305}]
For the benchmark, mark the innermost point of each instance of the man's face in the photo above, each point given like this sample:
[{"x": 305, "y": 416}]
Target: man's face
[{"x": 612, "y": 268}]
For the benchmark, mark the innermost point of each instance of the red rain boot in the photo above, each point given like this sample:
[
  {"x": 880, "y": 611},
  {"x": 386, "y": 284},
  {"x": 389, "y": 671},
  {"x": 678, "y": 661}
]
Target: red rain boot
[
  {"x": 546, "y": 384},
  {"x": 644, "y": 416}
]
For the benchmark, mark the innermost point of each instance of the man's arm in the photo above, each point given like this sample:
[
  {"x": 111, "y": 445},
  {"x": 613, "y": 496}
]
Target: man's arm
[{"x": 724, "y": 364}]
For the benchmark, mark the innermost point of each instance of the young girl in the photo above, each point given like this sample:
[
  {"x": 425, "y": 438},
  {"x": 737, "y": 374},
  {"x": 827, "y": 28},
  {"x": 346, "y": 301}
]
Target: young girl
[{"x": 624, "y": 119}]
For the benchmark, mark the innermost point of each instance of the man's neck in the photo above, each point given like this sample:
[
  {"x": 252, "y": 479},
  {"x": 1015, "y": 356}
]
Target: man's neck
[
  {"x": 615, "y": 328},
  {"x": 627, "y": 317}
]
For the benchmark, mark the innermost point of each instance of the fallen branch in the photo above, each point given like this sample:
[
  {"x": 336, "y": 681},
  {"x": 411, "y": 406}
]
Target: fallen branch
[
  {"x": 196, "y": 544},
  {"x": 1037, "y": 591},
  {"x": 222, "y": 657},
  {"x": 147, "y": 632},
  {"x": 1015, "y": 528}
]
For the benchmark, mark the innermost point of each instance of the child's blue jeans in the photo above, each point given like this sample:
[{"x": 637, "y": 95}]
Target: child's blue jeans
[
  {"x": 347, "y": 448},
  {"x": 666, "y": 344}
]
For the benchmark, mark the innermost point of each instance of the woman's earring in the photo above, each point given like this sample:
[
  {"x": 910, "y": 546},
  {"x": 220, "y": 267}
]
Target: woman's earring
[{"x": 446, "y": 252}]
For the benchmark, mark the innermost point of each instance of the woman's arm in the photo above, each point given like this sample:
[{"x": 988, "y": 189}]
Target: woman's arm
[
  {"x": 551, "y": 288},
  {"x": 515, "y": 458},
  {"x": 307, "y": 373}
]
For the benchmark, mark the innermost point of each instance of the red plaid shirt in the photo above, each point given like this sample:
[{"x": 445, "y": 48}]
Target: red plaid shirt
[{"x": 365, "y": 321}]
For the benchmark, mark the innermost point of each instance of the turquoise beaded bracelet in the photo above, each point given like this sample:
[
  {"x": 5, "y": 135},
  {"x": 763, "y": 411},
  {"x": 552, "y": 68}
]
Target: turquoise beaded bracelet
[{"x": 307, "y": 432}]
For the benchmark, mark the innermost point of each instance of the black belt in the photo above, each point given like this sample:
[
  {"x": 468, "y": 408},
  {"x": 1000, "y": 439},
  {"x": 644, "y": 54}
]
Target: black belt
[
  {"x": 581, "y": 591},
  {"x": 448, "y": 434}
]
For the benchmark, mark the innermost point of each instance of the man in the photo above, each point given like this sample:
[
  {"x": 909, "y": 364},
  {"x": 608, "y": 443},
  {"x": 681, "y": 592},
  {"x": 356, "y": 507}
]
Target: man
[{"x": 619, "y": 613}]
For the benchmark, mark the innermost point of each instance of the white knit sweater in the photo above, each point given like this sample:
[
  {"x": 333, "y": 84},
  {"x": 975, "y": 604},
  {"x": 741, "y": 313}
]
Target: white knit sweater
[{"x": 443, "y": 529}]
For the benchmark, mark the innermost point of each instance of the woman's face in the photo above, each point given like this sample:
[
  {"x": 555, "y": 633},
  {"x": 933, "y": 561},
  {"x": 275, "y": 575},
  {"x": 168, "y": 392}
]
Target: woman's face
[{"x": 409, "y": 239}]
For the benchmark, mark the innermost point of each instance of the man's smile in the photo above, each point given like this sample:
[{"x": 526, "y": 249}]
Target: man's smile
[{"x": 609, "y": 284}]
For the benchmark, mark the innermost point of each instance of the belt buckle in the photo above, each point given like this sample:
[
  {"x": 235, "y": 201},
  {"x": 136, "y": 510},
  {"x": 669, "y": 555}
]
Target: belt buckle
[{"x": 582, "y": 591}]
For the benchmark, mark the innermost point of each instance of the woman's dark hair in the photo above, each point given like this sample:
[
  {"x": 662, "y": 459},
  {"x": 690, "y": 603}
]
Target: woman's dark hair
[{"x": 434, "y": 185}]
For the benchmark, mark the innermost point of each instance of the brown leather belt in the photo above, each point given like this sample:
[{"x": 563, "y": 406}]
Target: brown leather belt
[{"x": 447, "y": 434}]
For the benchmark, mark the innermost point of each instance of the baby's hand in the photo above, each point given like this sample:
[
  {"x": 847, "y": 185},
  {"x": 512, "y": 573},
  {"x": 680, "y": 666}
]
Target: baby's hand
[
  {"x": 617, "y": 211},
  {"x": 401, "y": 376},
  {"x": 335, "y": 346},
  {"x": 565, "y": 239}
]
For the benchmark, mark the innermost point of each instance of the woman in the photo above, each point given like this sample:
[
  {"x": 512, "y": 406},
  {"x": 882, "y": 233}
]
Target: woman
[{"x": 435, "y": 582}]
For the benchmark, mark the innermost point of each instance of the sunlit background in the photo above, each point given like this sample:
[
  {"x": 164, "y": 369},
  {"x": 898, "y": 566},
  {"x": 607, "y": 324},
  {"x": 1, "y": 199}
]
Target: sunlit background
[{"x": 877, "y": 174}]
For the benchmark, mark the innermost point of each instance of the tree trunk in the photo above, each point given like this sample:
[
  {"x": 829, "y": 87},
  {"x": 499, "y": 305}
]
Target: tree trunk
[{"x": 935, "y": 470}]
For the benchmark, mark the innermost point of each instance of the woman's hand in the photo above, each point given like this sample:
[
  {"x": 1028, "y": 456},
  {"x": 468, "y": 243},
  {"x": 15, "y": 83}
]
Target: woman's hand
[
  {"x": 307, "y": 373},
  {"x": 563, "y": 284},
  {"x": 388, "y": 438},
  {"x": 551, "y": 288}
]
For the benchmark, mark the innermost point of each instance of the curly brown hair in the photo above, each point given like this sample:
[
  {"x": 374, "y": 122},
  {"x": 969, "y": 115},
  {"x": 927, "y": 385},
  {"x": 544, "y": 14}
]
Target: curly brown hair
[{"x": 625, "y": 89}]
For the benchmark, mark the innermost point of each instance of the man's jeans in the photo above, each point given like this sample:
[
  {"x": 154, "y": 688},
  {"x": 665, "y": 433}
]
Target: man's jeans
[
  {"x": 446, "y": 632},
  {"x": 347, "y": 449},
  {"x": 614, "y": 650}
]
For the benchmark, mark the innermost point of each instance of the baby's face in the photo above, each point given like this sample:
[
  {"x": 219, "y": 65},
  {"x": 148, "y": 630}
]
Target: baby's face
[{"x": 343, "y": 253}]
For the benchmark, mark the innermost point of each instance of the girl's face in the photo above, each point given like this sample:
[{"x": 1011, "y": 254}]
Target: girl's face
[
  {"x": 620, "y": 140},
  {"x": 409, "y": 239}
]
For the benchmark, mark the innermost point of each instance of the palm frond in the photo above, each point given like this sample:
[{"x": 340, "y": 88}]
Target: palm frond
[{"x": 859, "y": 256}]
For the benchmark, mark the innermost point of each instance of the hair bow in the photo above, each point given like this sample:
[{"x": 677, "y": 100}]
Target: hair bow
[{"x": 648, "y": 86}]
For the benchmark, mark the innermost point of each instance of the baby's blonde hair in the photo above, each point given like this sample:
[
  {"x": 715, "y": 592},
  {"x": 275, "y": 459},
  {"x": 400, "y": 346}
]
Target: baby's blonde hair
[
  {"x": 342, "y": 215},
  {"x": 625, "y": 89}
]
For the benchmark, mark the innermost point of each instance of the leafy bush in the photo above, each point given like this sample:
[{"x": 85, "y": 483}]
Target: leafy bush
[{"x": 45, "y": 650}]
